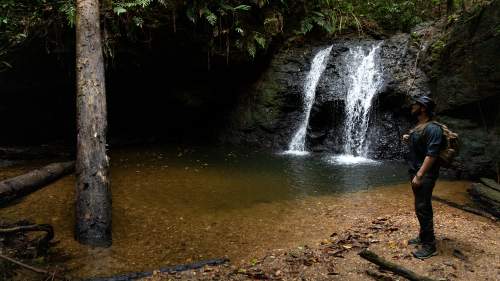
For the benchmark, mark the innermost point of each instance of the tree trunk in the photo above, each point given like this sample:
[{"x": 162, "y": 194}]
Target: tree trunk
[
  {"x": 450, "y": 6},
  {"x": 23, "y": 185},
  {"x": 93, "y": 194}
]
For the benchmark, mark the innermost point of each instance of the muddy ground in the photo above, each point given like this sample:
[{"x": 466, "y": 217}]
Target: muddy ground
[{"x": 468, "y": 247}]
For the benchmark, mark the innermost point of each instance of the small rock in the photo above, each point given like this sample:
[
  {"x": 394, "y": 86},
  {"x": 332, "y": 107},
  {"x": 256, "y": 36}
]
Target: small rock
[{"x": 448, "y": 263}]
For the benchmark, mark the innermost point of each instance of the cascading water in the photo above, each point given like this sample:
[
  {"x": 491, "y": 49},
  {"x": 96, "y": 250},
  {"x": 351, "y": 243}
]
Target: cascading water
[
  {"x": 365, "y": 79},
  {"x": 297, "y": 144}
]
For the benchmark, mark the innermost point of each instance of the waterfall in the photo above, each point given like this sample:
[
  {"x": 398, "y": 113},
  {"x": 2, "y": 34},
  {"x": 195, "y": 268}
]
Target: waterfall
[
  {"x": 298, "y": 143},
  {"x": 365, "y": 78}
]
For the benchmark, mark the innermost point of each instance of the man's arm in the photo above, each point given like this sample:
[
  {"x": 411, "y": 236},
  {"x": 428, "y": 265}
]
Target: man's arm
[{"x": 428, "y": 162}]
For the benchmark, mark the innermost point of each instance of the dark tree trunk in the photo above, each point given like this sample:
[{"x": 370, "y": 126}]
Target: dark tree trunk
[
  {"x": 450, "y": 6},
  {"x": 93, "y": 194}
]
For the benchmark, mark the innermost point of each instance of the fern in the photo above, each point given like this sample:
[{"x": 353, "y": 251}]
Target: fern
[
  {"x": 123, "y": 6},
  {"x": 68, "y": 9},
  {"x": 261, "y": 41}
]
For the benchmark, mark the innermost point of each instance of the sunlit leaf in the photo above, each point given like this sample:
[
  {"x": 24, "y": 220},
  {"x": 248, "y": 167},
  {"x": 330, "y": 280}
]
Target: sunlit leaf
[{"x": 119, "y": 10}]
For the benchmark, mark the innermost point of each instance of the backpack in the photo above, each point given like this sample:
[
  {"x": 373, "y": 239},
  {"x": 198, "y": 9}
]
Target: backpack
[{"x": 451, "y": 147}]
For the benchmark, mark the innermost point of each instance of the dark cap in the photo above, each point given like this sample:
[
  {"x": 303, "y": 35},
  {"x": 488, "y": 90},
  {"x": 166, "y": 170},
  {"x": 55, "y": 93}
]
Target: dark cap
[{"x": 426, "y": 102}]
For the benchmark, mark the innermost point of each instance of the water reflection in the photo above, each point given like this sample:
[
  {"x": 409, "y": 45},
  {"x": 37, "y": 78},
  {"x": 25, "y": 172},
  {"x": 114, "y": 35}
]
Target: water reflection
[
  {"x": 173, "y": 205},
  {"x": 318, "y": 174}
]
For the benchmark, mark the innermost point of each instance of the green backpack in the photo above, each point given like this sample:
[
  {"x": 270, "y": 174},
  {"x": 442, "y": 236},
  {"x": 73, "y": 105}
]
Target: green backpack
[{"x": 451, "y": 147}]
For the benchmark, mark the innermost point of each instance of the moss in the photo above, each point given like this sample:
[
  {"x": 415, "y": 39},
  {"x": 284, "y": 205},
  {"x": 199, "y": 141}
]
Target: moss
[
  {"x": 269, "y": 103},
  {"x": 437, "y": 48},
  {"x": 436, "y": 51},
  {"x": 264, "y": 108}
]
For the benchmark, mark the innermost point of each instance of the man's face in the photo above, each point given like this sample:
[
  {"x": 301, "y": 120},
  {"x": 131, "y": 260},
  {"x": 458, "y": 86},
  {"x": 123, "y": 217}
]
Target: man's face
[{"x": 416, "y": 109}]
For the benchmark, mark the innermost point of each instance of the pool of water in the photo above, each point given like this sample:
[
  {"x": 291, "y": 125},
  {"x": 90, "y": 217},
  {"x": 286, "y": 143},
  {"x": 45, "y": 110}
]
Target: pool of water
[{"x": 177, "y": 205}]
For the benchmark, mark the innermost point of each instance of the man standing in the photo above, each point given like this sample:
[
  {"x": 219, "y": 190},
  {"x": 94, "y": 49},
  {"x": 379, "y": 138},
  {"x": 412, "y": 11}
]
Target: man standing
[{"x": 425, "y": 142}]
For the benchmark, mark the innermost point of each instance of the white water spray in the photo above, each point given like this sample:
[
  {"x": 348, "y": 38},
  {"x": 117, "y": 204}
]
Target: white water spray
[
  {"x": 365, "y": 79},
  {"x": 298, "y": 143}
]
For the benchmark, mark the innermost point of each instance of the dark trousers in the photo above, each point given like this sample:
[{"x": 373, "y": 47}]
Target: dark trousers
[{"x": 423, "y": 209}]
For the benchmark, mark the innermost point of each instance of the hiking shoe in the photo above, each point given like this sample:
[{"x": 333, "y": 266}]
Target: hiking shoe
[
  {"x": 414, "y": 241},
  {"x": 426, "y": 251}
]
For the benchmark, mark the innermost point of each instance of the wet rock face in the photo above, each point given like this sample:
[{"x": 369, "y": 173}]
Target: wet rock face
[
  {"x": 272, "y": 110},
  {"x": 480, "y": 148},
  {"x": 458, "y": 67},
  {"x": 464, "y": 70},
  {"x": 464, "y": 63},
  {"x": 267, "y": 112}
]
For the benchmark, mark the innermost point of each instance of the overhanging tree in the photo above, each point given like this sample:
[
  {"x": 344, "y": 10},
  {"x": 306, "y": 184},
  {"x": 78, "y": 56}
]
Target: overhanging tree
[{"x": 93, "y": 194}]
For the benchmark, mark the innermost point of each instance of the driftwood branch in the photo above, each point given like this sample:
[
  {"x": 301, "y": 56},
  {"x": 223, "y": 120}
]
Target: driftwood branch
[
  {"x": 31, "y": 228},
  {"x": 34, "y": 269},
  {"x": 464, "y": 208},
  {"x": 29, "y": 267},
  {"x": 395, "y": 268},
  {"x": 171, "y": 269},
  {"x": 23, "y": 185},
  {"x": 378, "y": 276}
]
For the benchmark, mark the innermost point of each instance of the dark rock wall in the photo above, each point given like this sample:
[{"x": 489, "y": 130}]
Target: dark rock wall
[
  {"x": 458, "y": 65},
  {"x": 271, "y": 110},
  {"x": 463, "y": 63}
]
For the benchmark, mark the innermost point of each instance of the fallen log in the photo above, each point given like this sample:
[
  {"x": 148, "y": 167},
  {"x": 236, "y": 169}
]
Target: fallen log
[
  {"x": 23, "y": 185},
  {"x": 395, "y": 268},
  {"x": 486, "y": 192},
  {"x": 490, "y": 183},
  {"x": 464, "y": 208},
  {"x": 487, "y": 197},
  {"x": 171, "y": 269}
]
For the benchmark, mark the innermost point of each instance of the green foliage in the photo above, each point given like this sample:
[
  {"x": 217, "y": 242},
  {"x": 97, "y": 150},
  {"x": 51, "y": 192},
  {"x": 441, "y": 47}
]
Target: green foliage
[
  {"x": 332, "y": 16},
  {"x": 18, "y": 20},
  {"x": 68, "y": 9},
  {"x": 227, "y": 26},
  {"x": 398, "y": 15},
  {"x": 436, "y": 48}
]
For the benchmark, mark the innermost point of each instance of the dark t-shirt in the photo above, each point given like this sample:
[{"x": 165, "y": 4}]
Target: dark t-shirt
[{"x": 428, "y": 142}]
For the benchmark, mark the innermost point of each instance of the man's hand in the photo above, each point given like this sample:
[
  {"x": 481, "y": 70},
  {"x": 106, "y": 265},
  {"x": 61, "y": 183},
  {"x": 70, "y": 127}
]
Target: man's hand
[
  {"x": 405, "y": 138},
  {"x": 416, "y": 182}
]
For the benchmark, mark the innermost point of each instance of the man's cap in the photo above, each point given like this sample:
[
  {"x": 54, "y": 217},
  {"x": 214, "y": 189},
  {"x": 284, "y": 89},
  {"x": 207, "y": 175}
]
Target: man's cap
[{"x": 426, "y": 102}]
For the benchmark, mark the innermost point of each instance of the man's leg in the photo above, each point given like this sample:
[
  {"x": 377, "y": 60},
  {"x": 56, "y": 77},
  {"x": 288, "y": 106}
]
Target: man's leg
[
  {"x": 416, "y": 240},
  {"x": 423, "y": 209}
]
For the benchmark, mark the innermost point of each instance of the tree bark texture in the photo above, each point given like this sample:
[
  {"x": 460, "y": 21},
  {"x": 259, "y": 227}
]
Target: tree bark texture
[
  {"x": 93, "y": 194},
  {"x": 23, "y": 185}
]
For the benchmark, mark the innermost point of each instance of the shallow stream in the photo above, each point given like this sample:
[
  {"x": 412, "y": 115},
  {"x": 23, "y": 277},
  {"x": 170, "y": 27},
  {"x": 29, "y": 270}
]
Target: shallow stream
[{"x": 180, "y": 205}]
